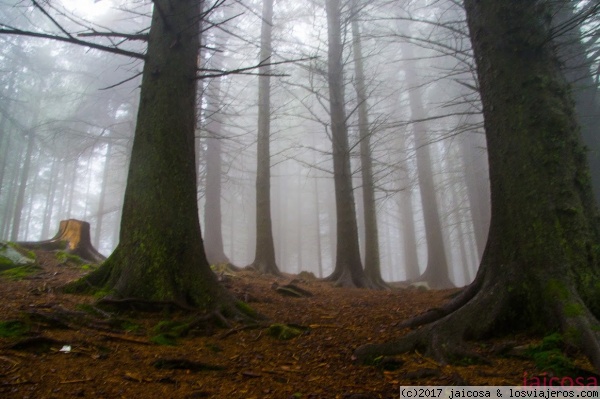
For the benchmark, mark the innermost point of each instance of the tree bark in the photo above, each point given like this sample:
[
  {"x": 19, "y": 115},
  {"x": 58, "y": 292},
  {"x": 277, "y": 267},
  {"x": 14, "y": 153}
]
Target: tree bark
[
  {"x": 540, "y": 266},
  {"x": 160, "y": 256}
]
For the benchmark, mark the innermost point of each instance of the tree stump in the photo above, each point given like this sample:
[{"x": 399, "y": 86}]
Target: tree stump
[{"x": 73, "y": 237}]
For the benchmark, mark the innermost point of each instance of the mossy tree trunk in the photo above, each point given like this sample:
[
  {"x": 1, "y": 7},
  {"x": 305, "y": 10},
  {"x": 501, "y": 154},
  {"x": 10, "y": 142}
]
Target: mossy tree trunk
[
  {"x": 540, "y": 265},
  {"x": 160, "y": 256}
]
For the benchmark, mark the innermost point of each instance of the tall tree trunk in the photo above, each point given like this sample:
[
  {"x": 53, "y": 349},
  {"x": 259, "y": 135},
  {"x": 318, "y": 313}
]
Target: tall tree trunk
[
  {"x": 49, "y": 208},
  {"x": 103, "y": 192},
  {"x": 436, "y": 272},
  {"x": 318, "y": 228},
  {"x": 540, "y": 266},
  {"x": 213, "y": 221},
  {"x": 160, "y": 256},
  {"x": 23, "y": 180},
  {"x": 348, "y": 266},
  {"x": 264, "y": 260},
  {"x": 372, "y": 260}
]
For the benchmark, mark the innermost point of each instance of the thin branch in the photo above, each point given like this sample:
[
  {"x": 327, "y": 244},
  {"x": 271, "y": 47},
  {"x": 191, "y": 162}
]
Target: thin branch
[
  {"x": 213, "y": 73},
  {"x": 115, "y": 50},
  {"x": 141, "y": 37},
  {"x": 121, "y": 82},
  {"x": 59, "y": 26}
]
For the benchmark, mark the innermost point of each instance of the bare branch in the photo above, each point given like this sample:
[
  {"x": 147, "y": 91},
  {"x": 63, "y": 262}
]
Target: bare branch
[
  {"x": 73, "y": 40},
  {"x": 141, "y": 36}
]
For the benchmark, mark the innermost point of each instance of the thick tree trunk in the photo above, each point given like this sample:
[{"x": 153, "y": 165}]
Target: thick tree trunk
[
  {"x": 348, "y": 266},
  {"x": 160, "y": 256},
  {"x": 264, "y": 258},
  {"x": 540, "y": 266},
  {"x": 74, "y": 237}
]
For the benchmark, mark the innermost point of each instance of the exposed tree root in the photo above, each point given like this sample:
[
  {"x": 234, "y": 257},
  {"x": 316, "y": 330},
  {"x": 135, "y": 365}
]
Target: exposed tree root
[
  {"x": 435, "y": 314},
  {"x": 345, "y": 278},
  {"x": 445, "y": 339},
  {"x": 479, "y": 312}
]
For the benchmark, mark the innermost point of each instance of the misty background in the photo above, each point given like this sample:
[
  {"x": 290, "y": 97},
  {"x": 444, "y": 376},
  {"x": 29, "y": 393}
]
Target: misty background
[{"x": 67, "y": 117}]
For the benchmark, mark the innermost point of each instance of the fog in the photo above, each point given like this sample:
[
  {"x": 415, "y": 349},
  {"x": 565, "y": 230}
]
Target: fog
[{"x": 67, "y": 117}]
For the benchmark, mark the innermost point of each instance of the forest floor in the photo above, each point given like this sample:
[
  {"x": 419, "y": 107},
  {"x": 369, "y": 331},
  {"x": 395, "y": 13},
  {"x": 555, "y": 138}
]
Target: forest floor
[{"x": 55, "y": 345}]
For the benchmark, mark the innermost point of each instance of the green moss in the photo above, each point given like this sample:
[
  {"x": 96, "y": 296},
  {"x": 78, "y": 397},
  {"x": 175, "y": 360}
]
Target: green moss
[
  {"x": 100, "y": 292},
  {"x": 246, "y": 309},
  {"x": 65, "y": 257},
  {"x": 573, "y": 309},
  {"x": 557, "y": 289},
  {"x": 23, "y": 251},
  {"x": 6, "y": 263},
  {"x": 284, "y": 331},
  {"x": 19, "y": 272},
  {"x": 129, "y": 326},
  {"x": 164, "y": 339},
  {"x": 548, "y": 355},
  {"x": 13, "y": 328},
  {"x": 167, "y": 332}
]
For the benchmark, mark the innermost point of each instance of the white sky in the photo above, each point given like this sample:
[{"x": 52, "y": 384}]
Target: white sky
[{"x": 88, "y": 8}]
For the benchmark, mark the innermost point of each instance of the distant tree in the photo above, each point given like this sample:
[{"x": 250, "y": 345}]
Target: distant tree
[
  {"x": 436, "y": 273},
  {"x": 577, "y": 64},
  {"x": 348, "y": 269},
  {"x": 371, "y": 256},
  {"x": 213, "y": 229},
  {"x": 264, "y": 258},
  {"x": 540, "y": 266}
]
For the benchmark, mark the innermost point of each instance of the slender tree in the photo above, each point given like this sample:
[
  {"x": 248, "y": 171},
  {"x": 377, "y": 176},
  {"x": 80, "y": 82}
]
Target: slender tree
[
  {"x": 213, "y": 223},
  {"x": 540, "y": 266},
  {"x": 436, "y": 272},
  {"x": 348, "y": 269},
  {"x": 264, "y": 258},
  {"x": 372, "y": 260}
]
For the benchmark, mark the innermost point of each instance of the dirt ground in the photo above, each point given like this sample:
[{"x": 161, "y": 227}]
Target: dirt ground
[{"x": 72, "y": 349}]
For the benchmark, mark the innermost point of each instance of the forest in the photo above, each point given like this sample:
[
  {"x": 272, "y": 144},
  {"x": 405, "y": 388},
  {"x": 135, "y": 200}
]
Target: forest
[{"x": 323, "y": 199}]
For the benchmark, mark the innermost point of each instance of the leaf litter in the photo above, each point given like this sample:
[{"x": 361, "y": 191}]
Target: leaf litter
[{"x": 304, "y": 350}]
